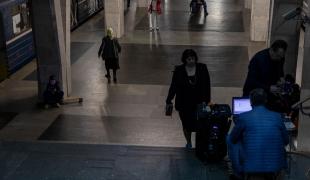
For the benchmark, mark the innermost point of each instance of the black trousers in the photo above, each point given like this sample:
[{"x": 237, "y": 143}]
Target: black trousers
[{"x": 53, "y": 98}]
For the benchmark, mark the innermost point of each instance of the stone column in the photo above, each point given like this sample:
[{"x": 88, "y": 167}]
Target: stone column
[
  {"x": 114, "y": 16},
  {"x": 304, "y": 121},
  {"x": 287, "y": 30},
  {"x": 260, "y": 20},
  {"x": 143, "y": 3},
  {"x": 65, "y": 10},
  {"x": 248, "y": 4},
  {"x": 50, "y": 43}
]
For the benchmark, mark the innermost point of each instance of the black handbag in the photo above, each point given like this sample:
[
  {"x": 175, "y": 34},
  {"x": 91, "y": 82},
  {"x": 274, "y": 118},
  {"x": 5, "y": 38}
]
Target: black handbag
[
  {"x": 115, "y": 47},
  {"x": 169, "y": 109}
]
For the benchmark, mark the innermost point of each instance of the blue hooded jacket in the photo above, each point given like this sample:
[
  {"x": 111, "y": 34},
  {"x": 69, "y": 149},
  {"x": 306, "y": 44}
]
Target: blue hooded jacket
[{"x": 263, "y": 137}]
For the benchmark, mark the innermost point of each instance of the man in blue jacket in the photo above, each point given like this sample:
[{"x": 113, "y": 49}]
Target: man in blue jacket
[
  {"x": 261, "y": 136},
  {"x": 266, "y": 68}
]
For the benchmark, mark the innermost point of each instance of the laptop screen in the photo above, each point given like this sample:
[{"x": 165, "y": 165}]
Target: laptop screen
[{"x": 240, "y": 105}]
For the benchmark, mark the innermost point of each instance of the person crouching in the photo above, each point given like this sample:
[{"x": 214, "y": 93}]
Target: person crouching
[{"x": 52, "y": 95}]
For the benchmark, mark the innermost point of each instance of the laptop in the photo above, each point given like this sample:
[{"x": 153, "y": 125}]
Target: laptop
[{"x": 241, "y": 105}]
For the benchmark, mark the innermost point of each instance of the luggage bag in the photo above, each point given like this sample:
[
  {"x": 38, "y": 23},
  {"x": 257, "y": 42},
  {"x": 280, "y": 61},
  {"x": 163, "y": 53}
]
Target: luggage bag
[{"x": 213, "y": 126}]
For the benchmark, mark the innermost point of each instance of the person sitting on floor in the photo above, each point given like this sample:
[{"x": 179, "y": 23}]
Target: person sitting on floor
[{"x": 52, "y": 95}]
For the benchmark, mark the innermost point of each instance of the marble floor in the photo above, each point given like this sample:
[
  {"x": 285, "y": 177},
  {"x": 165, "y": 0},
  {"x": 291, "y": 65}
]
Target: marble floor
[{"x": 129, "y": 115}]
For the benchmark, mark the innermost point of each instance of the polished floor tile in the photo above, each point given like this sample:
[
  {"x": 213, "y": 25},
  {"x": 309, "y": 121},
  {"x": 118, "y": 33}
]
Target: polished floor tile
[
  {"x": 224, "y": 16},
  {"x": 72, "y": 161},
  {"x": 32, "y": 76},
  {"x": 184, "y": 21},
  {"x": 142, "y": 64},
  {"x": 115, "y": 130},
  {"x": 35, "y": 160},
  {"x": 6, "y": 117},
  {"x": 78, "y": 49},
  {"x": 214, "y": 6}
]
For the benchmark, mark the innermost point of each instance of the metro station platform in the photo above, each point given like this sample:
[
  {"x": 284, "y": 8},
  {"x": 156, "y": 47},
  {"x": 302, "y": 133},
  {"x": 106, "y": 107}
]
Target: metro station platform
[{"x": 120, "y": 130}]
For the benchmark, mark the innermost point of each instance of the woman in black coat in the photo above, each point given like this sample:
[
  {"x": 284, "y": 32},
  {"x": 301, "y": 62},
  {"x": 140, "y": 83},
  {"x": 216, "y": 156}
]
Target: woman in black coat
[
  {"x": 109, "y": 50},
  {"x": 191, "y": 86}
]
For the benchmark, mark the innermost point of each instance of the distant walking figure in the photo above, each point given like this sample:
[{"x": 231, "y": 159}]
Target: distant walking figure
[
  {"x": 109, "y": 51},
  {"x": 154, "y": 11},
  {"x": 195, "y": 6}
]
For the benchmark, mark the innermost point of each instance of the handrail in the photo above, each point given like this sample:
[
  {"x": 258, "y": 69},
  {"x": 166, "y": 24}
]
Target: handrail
[
  {"x": 299, "y": 105},
  {"x": 302, "y": 153}
]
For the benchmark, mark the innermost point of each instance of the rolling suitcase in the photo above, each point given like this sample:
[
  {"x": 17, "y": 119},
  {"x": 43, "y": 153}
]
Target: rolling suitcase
[{"x": 211, "y": 134}]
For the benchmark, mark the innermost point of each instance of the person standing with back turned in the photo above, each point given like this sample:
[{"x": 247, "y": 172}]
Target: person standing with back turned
[{"x": 266, "y": 68}]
